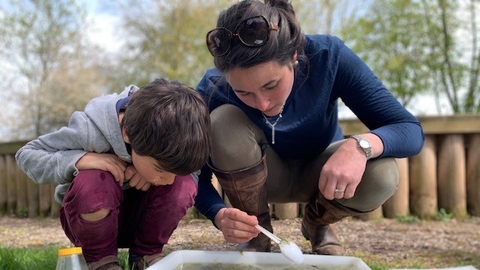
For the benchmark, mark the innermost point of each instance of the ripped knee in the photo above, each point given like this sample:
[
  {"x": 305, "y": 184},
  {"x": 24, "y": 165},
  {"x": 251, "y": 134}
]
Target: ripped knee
[{"x": 95, "y": 216}]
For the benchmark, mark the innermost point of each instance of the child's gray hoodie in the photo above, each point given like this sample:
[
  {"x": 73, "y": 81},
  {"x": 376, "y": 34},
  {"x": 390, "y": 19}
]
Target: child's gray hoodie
[{"x": 51, "y": 158}]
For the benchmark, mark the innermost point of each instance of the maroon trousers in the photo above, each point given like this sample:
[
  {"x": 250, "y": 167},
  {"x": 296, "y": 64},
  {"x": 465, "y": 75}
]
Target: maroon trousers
[{"x": 142, "y": 221}]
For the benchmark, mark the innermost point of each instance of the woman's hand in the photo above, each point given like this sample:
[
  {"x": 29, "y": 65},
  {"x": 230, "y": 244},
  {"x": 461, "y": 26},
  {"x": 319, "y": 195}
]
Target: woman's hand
[
  {"x": 236, "y": 225},
  {"x": 102, "y": 161},
  {"x": 343, "y": 171}
]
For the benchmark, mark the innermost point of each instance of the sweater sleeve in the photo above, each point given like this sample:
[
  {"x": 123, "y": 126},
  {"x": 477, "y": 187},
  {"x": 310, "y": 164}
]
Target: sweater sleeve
[
  {"x": 208, "y": 202},
  {"x": 51, "y": 158},
  {"x": 376, "y": 107}
]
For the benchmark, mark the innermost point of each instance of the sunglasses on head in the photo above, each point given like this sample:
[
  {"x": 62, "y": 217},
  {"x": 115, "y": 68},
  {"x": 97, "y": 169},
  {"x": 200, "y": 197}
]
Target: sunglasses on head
[{"x": 252, "y": 32}]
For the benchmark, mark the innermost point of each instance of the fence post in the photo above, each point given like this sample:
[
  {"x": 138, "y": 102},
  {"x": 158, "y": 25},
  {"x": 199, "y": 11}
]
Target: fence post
[
  {"x": 22, "y": 192},
  {"x": 33, "y": 197},
  {"x": 451, "y": 175},
  {"x": 3, "y": 186},
  {"x": 473, "y": 175},
  {"x": 398, "y": 205},
  {"x": 423, "y": 180},
  {"x": 286, "y": 210},
  {"x": 374, "y": 215},
  {"x": 11, "y": 184},
  {"x": 45, "y": 196}
]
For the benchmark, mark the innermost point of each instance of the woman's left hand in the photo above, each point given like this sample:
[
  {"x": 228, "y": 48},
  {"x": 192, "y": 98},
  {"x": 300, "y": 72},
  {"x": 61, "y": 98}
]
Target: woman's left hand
[{"x": 343, "y": 171}]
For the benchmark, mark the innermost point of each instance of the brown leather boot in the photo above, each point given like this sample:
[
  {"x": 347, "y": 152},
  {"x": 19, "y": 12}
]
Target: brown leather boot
[
  {"x": 317, "y": 224},
  {"x": 247, "y": 190}
]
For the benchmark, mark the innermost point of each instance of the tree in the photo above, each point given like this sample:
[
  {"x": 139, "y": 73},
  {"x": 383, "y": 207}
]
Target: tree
[
  {"x": 391, "y": 39},
  {"x": 453, "y": 28},
  {"x": 326, "y": 16},
  {"x": 414, "y": 46},
  {"x": 46, "y": 54},
  {"x": 166, "y": 39}
]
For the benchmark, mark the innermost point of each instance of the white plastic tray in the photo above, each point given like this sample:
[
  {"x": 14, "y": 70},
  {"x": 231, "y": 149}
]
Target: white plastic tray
[
  {"x": 468, "y": 267},
  {"x": 177, "y": 258}
]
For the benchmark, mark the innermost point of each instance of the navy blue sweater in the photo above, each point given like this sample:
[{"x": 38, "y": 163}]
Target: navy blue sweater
[{"x": 310, "y": 116}]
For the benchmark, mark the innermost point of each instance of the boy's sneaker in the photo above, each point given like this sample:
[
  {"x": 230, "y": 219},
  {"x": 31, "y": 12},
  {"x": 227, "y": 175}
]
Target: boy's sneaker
[
  {"x": 141, "y": 263},
  {"x": 106, "y": 263}
]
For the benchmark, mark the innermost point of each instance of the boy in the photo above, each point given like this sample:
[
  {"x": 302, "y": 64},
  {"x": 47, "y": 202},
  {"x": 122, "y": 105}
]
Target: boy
[{"x": 126, "y": 168}]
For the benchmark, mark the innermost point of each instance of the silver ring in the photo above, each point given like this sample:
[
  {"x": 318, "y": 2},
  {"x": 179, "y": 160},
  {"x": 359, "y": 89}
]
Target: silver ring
[{"x": 339, "y": 190}]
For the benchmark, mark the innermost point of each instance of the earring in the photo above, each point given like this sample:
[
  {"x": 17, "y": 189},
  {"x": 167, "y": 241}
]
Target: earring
[{"x": 295, "y": 63}]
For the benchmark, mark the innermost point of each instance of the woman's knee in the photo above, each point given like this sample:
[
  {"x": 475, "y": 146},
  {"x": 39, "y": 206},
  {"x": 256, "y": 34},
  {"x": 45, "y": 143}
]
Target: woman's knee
[
  {"x": 235, "y": 139},
  {"x": 378, "y": 184},
  {"x": 383, "y": 175},
  {"x": 230, "y": 124}
]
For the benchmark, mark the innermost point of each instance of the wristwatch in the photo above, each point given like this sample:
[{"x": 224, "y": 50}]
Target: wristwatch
[{"x": 364, "y": 145}]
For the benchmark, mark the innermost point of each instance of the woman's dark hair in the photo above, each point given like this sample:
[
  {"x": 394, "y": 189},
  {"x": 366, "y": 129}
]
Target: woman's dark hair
[
  {"x": 280, "y": 47},
  {"x": 170, "y": 122}
]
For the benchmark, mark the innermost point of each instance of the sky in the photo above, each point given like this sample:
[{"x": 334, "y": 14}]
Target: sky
[{"x": 104, "y": 20}]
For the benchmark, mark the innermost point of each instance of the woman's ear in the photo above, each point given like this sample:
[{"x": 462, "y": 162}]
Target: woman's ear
[{"x": 294, "y": 59}]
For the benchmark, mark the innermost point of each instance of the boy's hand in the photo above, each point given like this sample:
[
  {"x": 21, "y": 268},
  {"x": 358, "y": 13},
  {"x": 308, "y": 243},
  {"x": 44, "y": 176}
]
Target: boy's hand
[
  {"x": 135, "y": 179},
  {"x": 237, "y": 226},
  {"x": 105, "y": 162}
]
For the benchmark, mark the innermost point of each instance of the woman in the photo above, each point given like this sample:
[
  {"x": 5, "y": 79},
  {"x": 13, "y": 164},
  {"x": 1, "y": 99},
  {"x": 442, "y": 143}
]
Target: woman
[{"x": 276, "y": 135}]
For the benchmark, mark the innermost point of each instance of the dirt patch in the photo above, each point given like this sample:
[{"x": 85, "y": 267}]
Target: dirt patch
[{"x": 384, "y": 240}]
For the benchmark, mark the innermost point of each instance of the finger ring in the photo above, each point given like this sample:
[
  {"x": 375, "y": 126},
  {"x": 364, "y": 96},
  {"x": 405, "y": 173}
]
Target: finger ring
[{"x": 339, "y": 190}]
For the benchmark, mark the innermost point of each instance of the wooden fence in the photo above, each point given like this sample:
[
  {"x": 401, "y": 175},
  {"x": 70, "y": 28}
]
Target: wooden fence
[{"x": 445, "y": 175}]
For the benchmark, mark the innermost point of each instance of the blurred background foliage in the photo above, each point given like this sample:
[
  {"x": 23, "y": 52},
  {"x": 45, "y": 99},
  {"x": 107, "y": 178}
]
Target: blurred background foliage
[{"x": 50, "y": 66}]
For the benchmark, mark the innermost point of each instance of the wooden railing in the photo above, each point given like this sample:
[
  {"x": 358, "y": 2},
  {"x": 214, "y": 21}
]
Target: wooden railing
[{"x": 444, "y": 176}]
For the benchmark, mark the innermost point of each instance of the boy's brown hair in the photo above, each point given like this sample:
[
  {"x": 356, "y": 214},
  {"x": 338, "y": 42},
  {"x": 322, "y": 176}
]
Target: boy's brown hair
[{"x": 170, "y": 122}]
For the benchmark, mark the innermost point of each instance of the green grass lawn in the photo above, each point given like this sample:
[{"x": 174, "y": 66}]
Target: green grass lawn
[{"x": 38, "y": 258}]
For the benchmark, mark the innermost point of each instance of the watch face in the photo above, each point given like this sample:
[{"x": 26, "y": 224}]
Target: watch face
[{"x": 364, "y": 143}]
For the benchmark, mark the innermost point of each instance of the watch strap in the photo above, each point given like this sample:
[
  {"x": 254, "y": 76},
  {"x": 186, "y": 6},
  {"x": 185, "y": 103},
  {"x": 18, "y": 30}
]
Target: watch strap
[{"x": 366, "y": 150}]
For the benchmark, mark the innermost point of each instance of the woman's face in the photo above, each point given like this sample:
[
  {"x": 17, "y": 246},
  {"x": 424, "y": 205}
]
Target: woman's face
[{"x": 265, "y": 87}]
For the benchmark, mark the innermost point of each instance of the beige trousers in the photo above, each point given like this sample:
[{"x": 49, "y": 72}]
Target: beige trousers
[{"x": 238, "y": 144}]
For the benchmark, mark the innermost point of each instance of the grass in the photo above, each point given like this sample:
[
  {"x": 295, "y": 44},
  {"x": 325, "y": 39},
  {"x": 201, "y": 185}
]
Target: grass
[
  {"x": 38, "y": 258},
  {"x": 46, "y": 259},
  {"x": 13, "y": 258}
]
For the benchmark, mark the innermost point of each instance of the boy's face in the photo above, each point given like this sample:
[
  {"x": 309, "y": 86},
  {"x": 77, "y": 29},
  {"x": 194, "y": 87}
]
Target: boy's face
[{"x": 148, "y": 169}]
